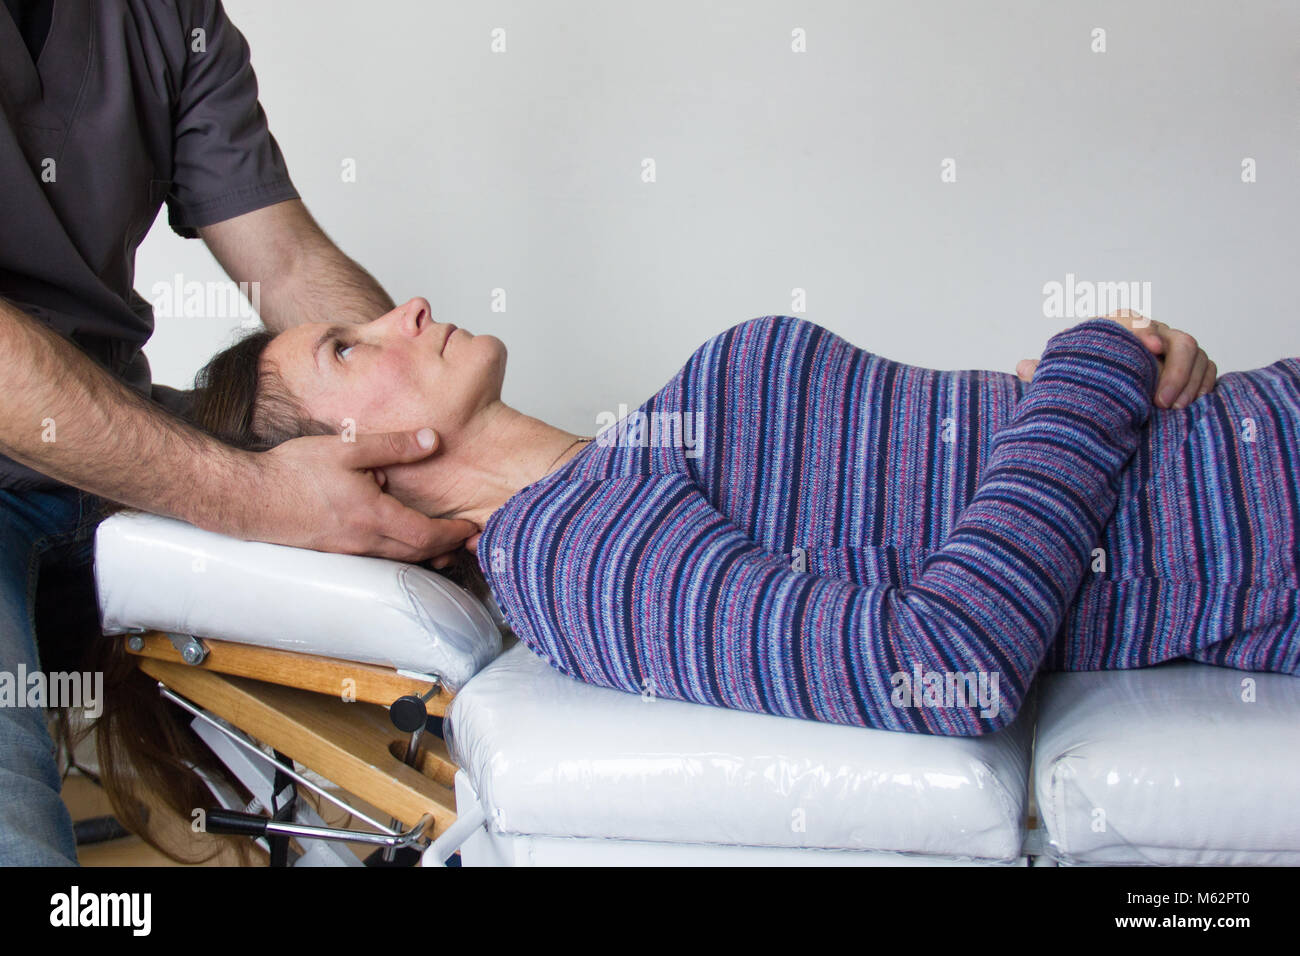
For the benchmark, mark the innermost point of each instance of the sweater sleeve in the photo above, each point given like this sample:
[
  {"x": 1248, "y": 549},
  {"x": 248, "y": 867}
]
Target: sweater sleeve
[{"x": 646, "y": 587}]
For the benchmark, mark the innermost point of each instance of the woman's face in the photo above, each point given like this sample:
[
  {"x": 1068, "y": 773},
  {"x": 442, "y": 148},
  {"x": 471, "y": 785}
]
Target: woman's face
[{"x": 400, "y": 371}]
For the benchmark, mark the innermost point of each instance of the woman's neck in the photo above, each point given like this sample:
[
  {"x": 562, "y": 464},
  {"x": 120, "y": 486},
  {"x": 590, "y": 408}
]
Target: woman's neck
[{"x": 475, "y": 472}]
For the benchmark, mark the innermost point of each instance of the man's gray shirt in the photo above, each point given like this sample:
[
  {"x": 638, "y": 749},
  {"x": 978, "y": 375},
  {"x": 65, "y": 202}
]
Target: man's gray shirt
[{"x": 132, "y": 103}]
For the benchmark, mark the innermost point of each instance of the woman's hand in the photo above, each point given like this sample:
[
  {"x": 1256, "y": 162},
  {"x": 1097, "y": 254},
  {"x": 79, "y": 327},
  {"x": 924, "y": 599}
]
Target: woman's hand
[{"x": 1186, "y": 372}]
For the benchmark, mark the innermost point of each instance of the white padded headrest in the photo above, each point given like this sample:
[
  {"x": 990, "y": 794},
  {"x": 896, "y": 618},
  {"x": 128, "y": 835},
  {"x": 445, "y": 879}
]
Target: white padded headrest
[{"x": 156, "y": 573}]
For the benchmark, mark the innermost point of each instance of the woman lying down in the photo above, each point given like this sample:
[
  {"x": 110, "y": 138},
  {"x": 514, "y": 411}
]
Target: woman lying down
[{"x": 795, "y": 526}]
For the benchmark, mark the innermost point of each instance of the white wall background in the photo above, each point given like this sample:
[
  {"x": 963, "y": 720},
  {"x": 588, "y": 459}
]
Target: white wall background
[{"x": 776, "y": 170}]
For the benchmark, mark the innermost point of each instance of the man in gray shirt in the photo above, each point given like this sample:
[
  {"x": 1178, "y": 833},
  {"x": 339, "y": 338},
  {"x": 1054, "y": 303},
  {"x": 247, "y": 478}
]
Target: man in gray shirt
[{"x": 108, "y": 110}]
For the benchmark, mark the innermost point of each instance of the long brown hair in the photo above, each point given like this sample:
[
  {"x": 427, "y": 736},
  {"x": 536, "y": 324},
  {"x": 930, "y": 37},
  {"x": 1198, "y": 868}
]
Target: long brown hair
[{"x": 143, "y": 742}]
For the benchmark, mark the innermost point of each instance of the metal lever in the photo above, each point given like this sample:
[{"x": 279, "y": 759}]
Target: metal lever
[
  {"x": 235, "y": 823},
  {"x": 409, "y": 715}
]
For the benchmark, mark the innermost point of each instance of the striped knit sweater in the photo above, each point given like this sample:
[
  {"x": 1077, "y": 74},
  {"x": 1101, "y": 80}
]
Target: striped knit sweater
[{"x": 831, "y": 535}]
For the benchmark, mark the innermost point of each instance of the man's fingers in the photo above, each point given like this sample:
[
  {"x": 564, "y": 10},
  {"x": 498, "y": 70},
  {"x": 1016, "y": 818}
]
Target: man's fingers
[
  {"x": 399, "y": 550},
  {"x": 1180, "y": 357},
  {"x": 394, "y": 550},
  {"x": 425, "y": 537},
  {"x": 1025, "y": 369},
  {"x": 377, "y": 449}
]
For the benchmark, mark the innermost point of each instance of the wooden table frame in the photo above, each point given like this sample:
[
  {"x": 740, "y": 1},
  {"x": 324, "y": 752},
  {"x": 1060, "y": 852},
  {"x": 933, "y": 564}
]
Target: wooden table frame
[{"x": 328, "y": 715}]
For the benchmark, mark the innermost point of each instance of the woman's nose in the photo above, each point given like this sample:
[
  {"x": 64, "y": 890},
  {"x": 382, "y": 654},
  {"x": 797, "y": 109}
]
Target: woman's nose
[{"x": 416, "y": 316}]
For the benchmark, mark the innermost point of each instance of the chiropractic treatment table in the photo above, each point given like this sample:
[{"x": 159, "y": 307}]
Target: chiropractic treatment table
[{"x": 307, "y": 670}]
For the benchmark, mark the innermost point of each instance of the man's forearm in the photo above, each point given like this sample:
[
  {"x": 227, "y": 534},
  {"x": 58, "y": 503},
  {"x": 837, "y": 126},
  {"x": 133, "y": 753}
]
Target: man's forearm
[
  {"x": 301, "y": 275},
  {"x": 324, "y": 286},
  {"x": 66, "y": 417}
]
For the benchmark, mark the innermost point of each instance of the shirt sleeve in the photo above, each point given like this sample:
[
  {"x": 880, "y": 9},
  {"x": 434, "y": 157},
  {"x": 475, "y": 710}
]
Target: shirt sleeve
[
  {"x": 225, "y": 160},
  {"x": 662, "y": 595}
]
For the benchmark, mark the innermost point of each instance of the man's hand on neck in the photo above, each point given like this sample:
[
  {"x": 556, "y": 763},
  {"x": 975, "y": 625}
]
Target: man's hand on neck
[{"x": 479, "y": 469}]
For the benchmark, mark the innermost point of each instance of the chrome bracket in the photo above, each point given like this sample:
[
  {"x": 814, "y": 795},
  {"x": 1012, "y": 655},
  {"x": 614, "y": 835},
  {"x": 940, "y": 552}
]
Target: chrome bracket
[{"x": 192, "y": 650}]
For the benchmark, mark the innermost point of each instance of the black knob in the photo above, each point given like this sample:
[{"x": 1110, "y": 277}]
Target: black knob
[{"x": 408, "y": 714}]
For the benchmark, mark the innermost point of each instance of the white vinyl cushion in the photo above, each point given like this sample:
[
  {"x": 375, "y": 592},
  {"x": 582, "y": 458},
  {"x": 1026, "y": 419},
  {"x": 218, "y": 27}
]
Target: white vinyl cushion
[
  {"x": 1181, "y": 764},
  {"x": 156, "y": 573},
  {"x": 549, "y": 755}
]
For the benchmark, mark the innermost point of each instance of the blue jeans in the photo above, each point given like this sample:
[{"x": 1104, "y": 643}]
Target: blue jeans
[{"x": 39, "y": 530}]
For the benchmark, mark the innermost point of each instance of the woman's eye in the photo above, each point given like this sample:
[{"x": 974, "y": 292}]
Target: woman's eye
[{"x": 341, "y": 347}]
